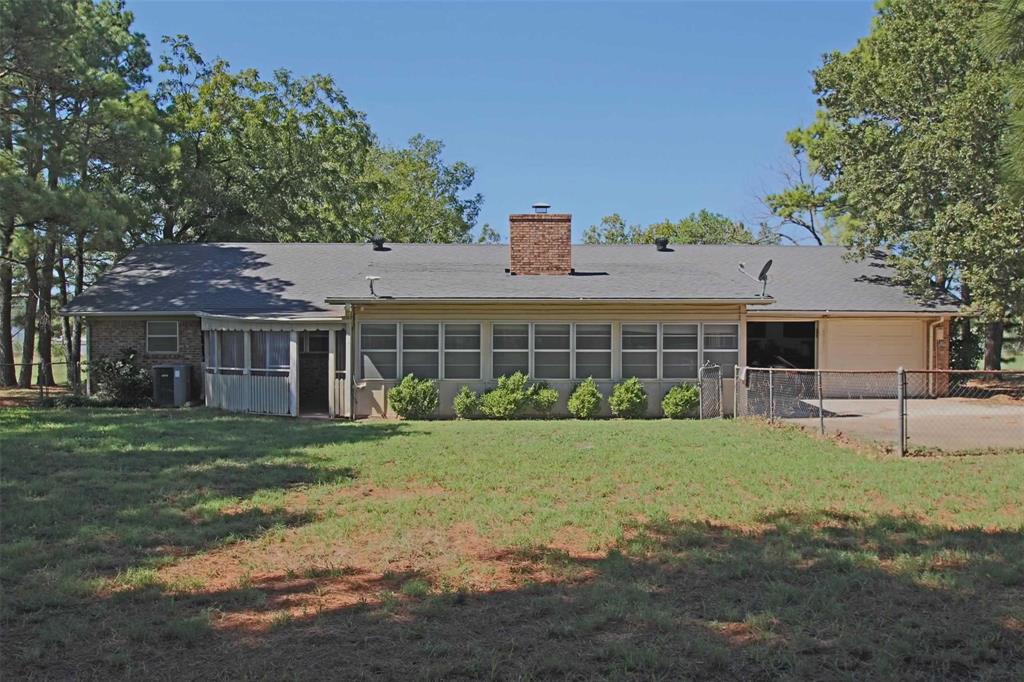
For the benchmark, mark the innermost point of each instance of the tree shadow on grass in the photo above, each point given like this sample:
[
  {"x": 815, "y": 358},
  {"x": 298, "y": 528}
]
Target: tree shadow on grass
[
  {"x": 805, "y": 596},
  {"x": 87, "y": 495}
]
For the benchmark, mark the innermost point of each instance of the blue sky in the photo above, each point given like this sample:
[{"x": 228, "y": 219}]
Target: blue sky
[{"x": 649, "y": 110}]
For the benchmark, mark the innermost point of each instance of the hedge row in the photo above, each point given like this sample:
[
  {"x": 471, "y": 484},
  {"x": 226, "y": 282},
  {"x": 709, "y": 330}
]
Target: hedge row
[{"x": 516, "y": 396}]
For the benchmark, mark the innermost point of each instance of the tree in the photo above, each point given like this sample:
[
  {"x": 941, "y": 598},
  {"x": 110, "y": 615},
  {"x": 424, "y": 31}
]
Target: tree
[
  {"x": 912, "y": 154},
  {"x": 805, "y": 202},
  {"x": 702, "y": 227},
  {"x": 416, "y": 197},
  {"x": 67, "y": 69},
  {"x": 1003, "y": 41}
]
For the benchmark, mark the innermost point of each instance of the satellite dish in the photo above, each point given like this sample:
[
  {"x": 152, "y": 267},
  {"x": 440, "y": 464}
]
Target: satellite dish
[{"x": 762, "y": 276}]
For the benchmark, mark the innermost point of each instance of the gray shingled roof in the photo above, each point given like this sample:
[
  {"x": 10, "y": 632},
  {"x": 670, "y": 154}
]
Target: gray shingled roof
[{"x": 297, "y": 279}]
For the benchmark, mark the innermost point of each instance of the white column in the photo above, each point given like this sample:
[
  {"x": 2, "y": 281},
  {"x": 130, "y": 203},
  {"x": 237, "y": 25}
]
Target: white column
[
  {"x": 293, "y": 373},
  {"x": 350, "y": 369},
  {"x": 247, "y": 370},
  {"x": 616, "y": 351},
  {"x": 332, "y": 350}
]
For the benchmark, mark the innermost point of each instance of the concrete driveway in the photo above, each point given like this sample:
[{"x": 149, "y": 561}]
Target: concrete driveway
[{"x": 952, "y": 424}]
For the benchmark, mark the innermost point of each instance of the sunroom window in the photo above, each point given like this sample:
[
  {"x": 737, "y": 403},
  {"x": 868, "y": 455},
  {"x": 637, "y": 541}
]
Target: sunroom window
[
  {"x": 551, "y": 346},
  {"x": 378, "y": 343},
  {"x": 722, "y": 347},
  {"x": 511, "y": 348},
  {"x": 640, "y": 351},
  {"x": 462, "y": 351},
  {"x": 420, "y": 350},
  {"x": 269, "y": 352},
  {"x": 593, "y": 351},
  {"x": 679, "y": 344}
]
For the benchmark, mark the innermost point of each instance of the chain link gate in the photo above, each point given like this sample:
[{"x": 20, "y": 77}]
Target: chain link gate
[{"x": 709, "y": 378}]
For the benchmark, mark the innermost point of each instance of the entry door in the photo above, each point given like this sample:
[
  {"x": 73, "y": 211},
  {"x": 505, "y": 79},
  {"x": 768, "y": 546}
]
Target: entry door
[{"x": 340, "y": 373}]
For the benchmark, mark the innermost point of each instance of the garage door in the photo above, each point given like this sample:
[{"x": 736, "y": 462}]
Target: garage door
[{"x": 878, "y": 344}]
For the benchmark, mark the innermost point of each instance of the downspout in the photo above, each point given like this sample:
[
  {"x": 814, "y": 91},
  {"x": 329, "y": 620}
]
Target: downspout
[{"x": 932, "y": 383}]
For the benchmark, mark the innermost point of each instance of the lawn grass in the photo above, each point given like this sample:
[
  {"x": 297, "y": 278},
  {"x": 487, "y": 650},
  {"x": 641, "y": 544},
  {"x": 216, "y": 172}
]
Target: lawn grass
[{"x": 193, "y": 544}]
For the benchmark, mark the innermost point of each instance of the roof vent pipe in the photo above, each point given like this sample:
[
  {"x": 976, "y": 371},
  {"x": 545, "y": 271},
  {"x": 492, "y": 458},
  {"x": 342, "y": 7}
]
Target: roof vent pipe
[
  {"x": 661, "y": 243},
  {"x": 541, "y": 207},
  {"x": 378, "y": 242}
]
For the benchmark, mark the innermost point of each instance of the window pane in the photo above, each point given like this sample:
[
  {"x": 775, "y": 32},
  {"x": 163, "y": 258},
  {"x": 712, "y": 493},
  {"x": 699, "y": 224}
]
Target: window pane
[
  {"x": 721, "y": 336},
  {"x": 162, "y": 344},
  {"x": 597, "y": 364},
  {"x": 679, "y": 337},
  {"x": 679, "y": 365},
  {"x": 551, "y": 337},
  {"x": 639, "y": 337},
  {"x": 419, "y": 337},
  {"x": 462, "y": 365},
  {"x": 232, "y": 349},
  {"x": 379, "y": 337},
  {"x": 511, "y": 337},
  {"x": 551, "y": 365},
  {"x": 510, "y": 362},
  {"x": 726, "y": 359},
  {"x": 380, "y": 365},
  {"x": 421, "y": 363},
  {"x": 162, "y": 328},
  {"x": 593, "y": 337},
  {"x": 269, "y": 350},
  {"x": 640, "y": 365},
  {"x": 462, "y": 337}
]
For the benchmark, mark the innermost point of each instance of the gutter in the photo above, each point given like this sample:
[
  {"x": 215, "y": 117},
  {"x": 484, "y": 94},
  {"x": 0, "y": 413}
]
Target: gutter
[
  {"x": 481, "y": 299},
  {"x": 854, "y": 313}
]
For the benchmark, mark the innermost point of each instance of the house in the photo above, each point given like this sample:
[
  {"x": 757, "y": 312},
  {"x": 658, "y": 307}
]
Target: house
[{"x": 328, "y": 328}]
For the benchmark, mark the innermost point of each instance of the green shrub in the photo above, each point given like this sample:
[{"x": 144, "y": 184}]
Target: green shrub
[
  {"x": 122, "y": 381},
  {"x": 681, "y": 401},
  {"x": 414, "y": 398},
  {"x": 466, "y": 403},
  {"x": 629, "y": 399},
  {"x": 585, "y": 401},
  {"x": 543, "y": 398},
  {"x": 514, "y": 395}
]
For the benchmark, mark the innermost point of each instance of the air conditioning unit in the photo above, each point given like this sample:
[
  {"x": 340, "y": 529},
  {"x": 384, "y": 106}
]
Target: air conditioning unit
[{"x": 171, "y": 385}]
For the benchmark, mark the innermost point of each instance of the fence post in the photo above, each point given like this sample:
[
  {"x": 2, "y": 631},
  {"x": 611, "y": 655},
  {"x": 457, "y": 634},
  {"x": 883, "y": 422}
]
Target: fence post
[
  {"x": 821, "y": 402},
  {"x": 771, "y": 396},
  {"x": 700, "y": 392},
  {"x": 901, "y": 400},
  {"x": 735, "y": 391}
]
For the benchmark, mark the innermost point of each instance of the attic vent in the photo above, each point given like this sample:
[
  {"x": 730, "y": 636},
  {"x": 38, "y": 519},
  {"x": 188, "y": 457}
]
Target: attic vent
[
  {"x": 661, "y": 243},
  {"x": 378, "y": 243}
]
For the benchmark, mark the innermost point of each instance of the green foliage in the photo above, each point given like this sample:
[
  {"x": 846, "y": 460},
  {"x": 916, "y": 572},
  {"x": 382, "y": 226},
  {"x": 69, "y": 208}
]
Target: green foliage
[
  {"x": 414, "y": 398},
  {"x": 466, "y": 403},
  {"x": 543, "y": 398},
  {"x": 122, "y": 381},
  {"x": 629, "y": 399},
  {"x": 585, "y": 400},
  {"x": 913, "y": 154},
  {"x": 681, "y": 401},
  {"x": 514, "y": 395},
  {"x": 509, "y": 399},
  {"x": 703, "y": 227}
]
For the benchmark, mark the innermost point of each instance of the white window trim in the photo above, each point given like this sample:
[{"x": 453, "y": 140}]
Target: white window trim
[
  {"x": 442, "y": 367},
  {"x": 736, "y": 350},
  {"x": 268, "y": 370},
  {"x": 656, "y": 350},
  {"x": 571, "y": 350},
  {"x": 177, "y": 338},
  {"x": 610, "y": 351},
  {"x": 219, "y": 345},
  {"x": 397, "y": 350},
  {"x": 698, "y": 351},
  {"x": 401, "y": 343},
  {"x": 528, "y": 350}
]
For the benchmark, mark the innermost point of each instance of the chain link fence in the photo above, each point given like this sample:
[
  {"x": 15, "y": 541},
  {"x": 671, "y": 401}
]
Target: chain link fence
[
  {"x": 948, "y": 410},
  {"x": 709, "y": 377}
]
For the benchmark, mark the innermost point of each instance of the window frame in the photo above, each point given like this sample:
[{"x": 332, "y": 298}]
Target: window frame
[
  {"x": 571, "y": 350},
  {"x": 698, "y": 351},
  {"x": 703, "y": 351},
  {"x": 219, "y": 343},
  {"x": 656, "y": 350},
  {"x": 276, "y": 370},
  {"x": 397, "y": 350},
  {"x": 444, "y": 350},
  {"x": 611, "y": 349},
  {"x": 528, "y": 350},
  {"x": 176, "y": 337}
]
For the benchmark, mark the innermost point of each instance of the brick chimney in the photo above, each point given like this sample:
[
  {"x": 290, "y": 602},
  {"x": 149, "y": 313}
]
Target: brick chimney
[{"x": 539, "y": 242}]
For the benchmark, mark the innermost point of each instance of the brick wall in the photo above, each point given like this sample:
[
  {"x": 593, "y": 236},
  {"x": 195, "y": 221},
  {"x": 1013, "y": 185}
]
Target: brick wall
[
  {"x": 108, "y": 336},
  {"x": 540, "y": 243}
]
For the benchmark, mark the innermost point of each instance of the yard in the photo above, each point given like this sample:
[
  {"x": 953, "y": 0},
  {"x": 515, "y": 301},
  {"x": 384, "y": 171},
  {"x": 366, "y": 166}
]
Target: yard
[{"x": 193, "y": 544}]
